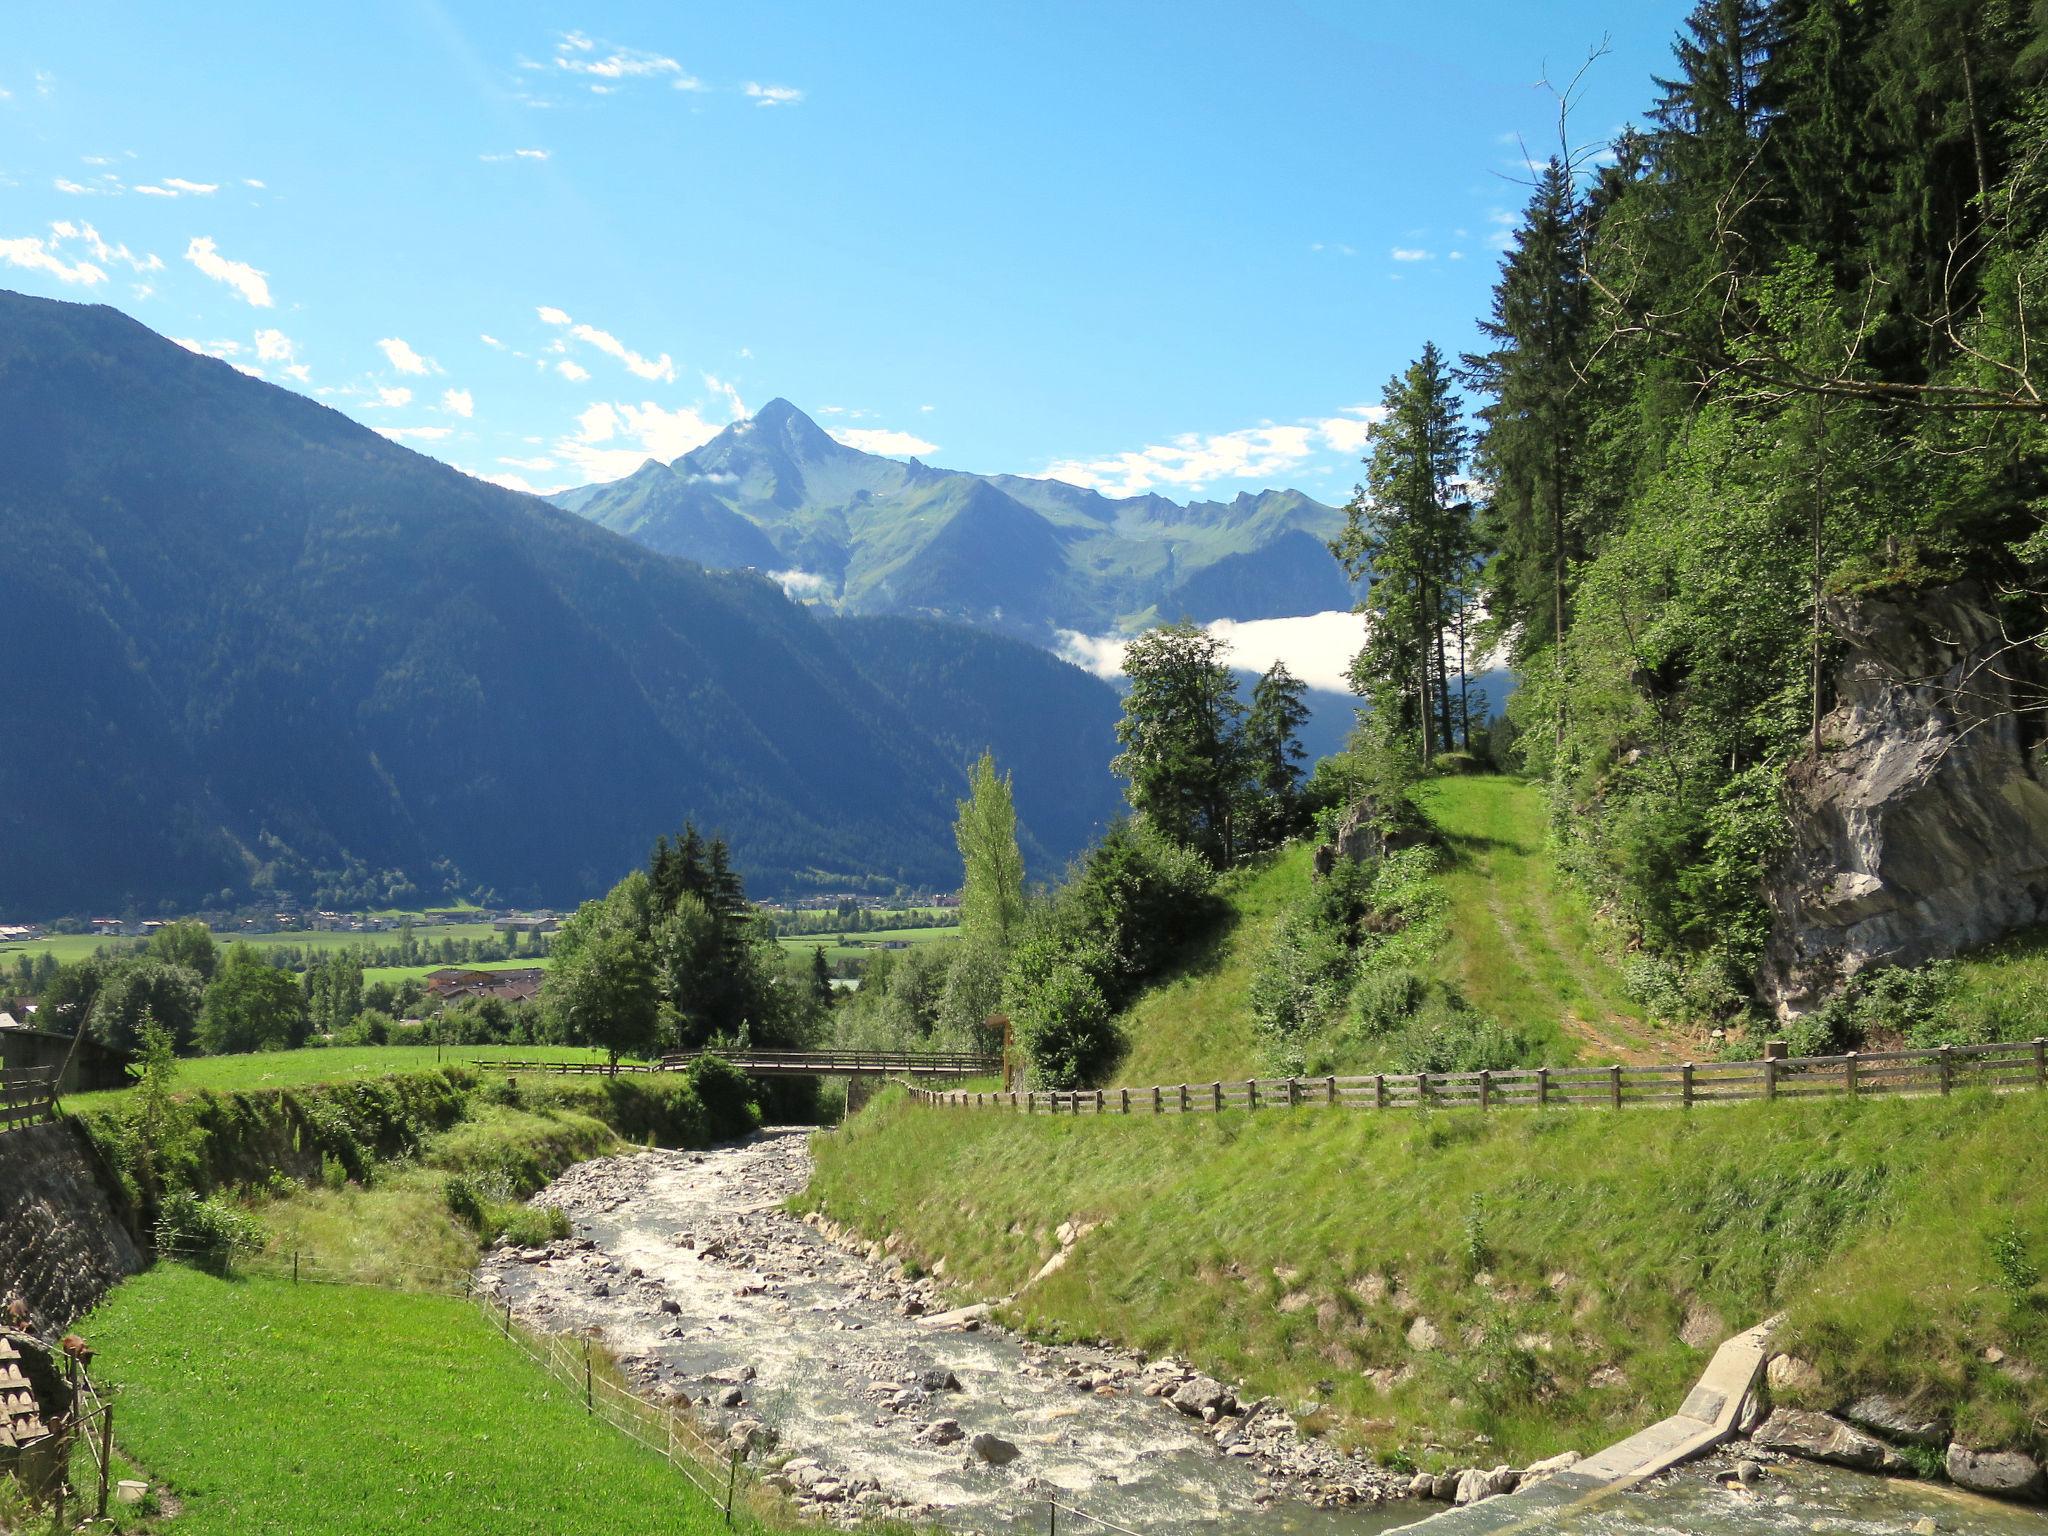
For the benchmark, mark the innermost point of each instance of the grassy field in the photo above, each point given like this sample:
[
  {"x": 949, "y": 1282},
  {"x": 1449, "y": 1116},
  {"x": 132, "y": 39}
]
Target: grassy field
[
  {"x": 1521, "y": 1276},
  {"x": 1197, "y": 1025},
  {"x": 1520, "y": 942},
  {"x": 846, "y": 946},
  {"x": 268, "y": 1407},
  {"x": 394, "y": 974},
  {"x": 332, "y": 1064}
]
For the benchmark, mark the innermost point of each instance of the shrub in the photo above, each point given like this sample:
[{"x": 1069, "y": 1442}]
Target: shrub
[
  {"x": 1063, "y": 1026},
  {"x": 207, "y": 1227}
]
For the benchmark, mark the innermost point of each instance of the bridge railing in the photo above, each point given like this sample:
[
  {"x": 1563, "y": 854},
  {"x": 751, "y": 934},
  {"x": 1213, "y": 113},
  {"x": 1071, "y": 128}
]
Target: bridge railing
[{"x": 2020, "y": 1064}]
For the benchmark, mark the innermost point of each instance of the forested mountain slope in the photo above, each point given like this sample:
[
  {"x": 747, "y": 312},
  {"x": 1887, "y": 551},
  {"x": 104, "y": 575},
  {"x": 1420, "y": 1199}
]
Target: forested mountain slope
[
  {"x": 251, "y": 645},
  {"x": 1024, "y": 556}
]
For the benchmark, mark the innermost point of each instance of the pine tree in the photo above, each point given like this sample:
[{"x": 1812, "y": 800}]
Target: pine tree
[
  {"x": 1180, "y": 738},
  {"x": 1412, "y": 538},
  {"x": 1273, "y": 754}
]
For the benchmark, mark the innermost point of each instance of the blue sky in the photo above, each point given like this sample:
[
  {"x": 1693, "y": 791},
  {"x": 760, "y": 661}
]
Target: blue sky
[{"x": 1173, "y": 247}]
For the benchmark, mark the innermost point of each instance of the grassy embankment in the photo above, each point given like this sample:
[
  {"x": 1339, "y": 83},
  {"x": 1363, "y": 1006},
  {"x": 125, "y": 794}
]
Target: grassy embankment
[
  {"x": 1557, "y": 1258},
  {"x": 851, "y": 946},
  {"x": 327, "y": 1064},
  {"x": 268, "y": 1407},
  {"x": 1515, "y": 940}
]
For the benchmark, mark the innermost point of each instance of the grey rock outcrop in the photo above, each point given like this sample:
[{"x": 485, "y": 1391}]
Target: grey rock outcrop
[
  {"x": 2002, "y": 1474},
  {"x": 1822, "y": 1437},
  {"x": 1922, "y": 828},
  {"x": 1896, "y": 1421}
]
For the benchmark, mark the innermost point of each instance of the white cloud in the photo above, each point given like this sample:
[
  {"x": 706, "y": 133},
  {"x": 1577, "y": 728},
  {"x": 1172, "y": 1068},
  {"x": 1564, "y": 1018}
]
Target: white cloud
[
  {"x": 491, "y": 341},
  {"x": 660, "y": 369},
  {"x": 927, "y": 409},
  {"x": 535, "y": 464},
  {"x": 458, "y": 402},
  {"x": 220, "y": 349},
  {"x": 1411, "y": 253},
  {"x": 64, "y": 229},
  {"x": 719, "y": 386},
  {"x": 802, "y": 584},
  {"x": 885, "y": 440},
  {"x": 156, "y": 192},
  {"x": 575, "y": 373},
  {"x": 273, "y": 346},
  {"x": 517, "y": 154},
  {"x": 248, "y": 283},
  {"x": 402, "y": 357},
  {"x": 34, "y": 254},
  {"x": 76, "y": 189},
  {"x": 1317, "y": 647},
  {"x": 578, "y": 54},
  {"x": 393, "y": 396},
  {"x": 1193, "y": 460},
  {"x": 687, "y": 83},
  {"x": 599, "y": 449},
  {"x": 195, "y": 188},
  {"x": 773, "y": 95},
  {"x": 1334, "y": 245},
  {"x": 419, "y": 434},
  {"x": 300, "y": 372},
  {"x": 513, "y": 482},
  {"x": 251, "y": 181}
]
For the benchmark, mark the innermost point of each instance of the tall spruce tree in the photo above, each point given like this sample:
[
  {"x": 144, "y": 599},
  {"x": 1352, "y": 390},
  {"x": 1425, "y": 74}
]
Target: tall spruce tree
[{"x": 1181, "y": 756}]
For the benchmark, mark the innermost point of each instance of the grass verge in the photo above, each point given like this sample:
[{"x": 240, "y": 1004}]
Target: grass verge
[
  {"x": 1531, "y": 1278},
  {"x": 268, "y": 1407}
]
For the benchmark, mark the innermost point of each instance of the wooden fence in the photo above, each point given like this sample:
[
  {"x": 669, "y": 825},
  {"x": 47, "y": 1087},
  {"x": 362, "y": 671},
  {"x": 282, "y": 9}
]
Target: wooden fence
[
  {"x": 27, "y": 1098},
  {"x": 2019, "y": 1064}
]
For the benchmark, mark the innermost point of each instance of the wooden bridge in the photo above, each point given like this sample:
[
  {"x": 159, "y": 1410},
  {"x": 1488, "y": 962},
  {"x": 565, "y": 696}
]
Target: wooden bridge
[{"x": 819, "y": 1063}]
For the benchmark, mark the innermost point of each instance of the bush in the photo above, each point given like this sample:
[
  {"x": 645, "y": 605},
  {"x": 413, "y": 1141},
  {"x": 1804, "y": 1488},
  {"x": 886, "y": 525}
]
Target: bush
[
  {"x": 207, "y": 1228},
  {"x": 1064, "y": 1028}
]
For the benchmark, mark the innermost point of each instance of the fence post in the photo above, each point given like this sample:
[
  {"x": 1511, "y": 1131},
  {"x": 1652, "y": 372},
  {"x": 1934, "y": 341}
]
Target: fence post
[
  {"x": 1485, "y": 1089},
  {"x": 1216, "y": 1096},
  {"x": 1293, "y": 1092},
  {"x": 508, "y": 1319},
  {"x": 1422, "y": 1090},
  {"x": 1098, "y": 1101},
  {"x": 1183, "y": 1098},
  {"x": 1031, "y": 1103},
  {"x": 1330, "y": 1087},
  {"x": 1379, "y": 1090},
  {"x": 1251, "y": 1093},
  {"x": 732, "y": 1476},
  {"x": 295, "y": 1266},
  {"x": 1685, "y": 1084},
  {"x": 1157, "y": 1107},
  {"x": 589, "y": 1403},
  {"x": 2040, "y": 1061},
  {"x": 1543, "y": 1087},
  {"x": 1770, "y": 1077},
  {"x": 1849, "y": 1074},
  {"x": 1125, "y": 1095},
  {"x": 106, "y": 1453},
  {"x": 1948, "y": 1066},
  {"x": 1614, "y": 1085},
  {"x": 1052, "y": 1518}
]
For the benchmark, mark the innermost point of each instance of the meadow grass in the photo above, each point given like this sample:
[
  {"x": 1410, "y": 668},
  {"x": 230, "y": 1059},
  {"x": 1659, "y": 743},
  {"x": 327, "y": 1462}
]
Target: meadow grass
[
  {"x": 314, "y": 1409},
  {"x": 1556, "y": 1256},
  {"x": 847, "y": 946},
  {"x": 394, "y": 974},
  {"x": 1520, "y": 942},
  {"x": 329, "y": 1064},
  {"x": 1196, "y": 1024}
]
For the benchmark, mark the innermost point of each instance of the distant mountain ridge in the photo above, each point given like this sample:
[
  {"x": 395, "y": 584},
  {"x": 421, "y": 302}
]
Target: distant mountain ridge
[
  {"x": 252, "y": 646},
  {"x": 1023, "y": 556}
]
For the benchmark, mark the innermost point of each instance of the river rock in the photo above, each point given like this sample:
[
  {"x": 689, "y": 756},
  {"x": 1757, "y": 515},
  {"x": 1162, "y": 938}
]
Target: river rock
[
  {"x": 939, "y": 1379},
  {"x": 2003, "y": 1474},
  {"x": 1202, "y": 1396},
  {"x": 1923, "y": 830},
  {"x": 1550, "y": 1466},
  {"x": 1422, "y": 1486},
  {"x": 1444, "y": 1486},
  {"x": 942, "y": 1432},
  {"x": 1789, "y": 1373},
  {"x": 994, "y": 1449},
  {"x": 1477, "y": 1484},
  {"x": 1892, "y": 1418},
  {"x": 1823, "y": 1437}
]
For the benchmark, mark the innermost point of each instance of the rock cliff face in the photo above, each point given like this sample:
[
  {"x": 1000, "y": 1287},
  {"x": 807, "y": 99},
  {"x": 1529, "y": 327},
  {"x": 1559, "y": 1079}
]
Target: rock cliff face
[
  {"x": 61, "y": 1245},
  {"x": 1922, "y": 828}
]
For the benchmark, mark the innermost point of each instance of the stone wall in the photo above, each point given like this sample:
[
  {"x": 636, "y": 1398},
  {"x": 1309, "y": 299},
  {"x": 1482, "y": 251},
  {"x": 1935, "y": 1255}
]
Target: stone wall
[
  {"x": 1922, "y": 828},
  {"x": 62, "y": 1245}
]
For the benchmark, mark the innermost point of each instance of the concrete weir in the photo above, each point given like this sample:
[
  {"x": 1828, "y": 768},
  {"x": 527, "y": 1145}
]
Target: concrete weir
[{"x": 1708, "y": 1417}]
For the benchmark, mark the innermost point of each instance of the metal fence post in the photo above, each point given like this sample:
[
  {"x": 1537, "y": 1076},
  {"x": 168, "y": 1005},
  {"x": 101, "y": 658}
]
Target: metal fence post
[
  {"x": 732, "y": 1477},
  {"x": 106, "y": 1453},
  {"x": 589, "y": 1403}
]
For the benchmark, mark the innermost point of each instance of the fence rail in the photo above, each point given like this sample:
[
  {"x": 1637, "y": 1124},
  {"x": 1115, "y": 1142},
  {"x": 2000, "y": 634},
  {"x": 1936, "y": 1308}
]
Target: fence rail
[
  {"x": 27, "y": 1097},
  {"x": 2021, "y": 1064}
]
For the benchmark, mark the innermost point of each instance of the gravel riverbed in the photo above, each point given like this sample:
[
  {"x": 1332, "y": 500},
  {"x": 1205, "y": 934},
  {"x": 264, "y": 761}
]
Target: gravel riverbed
[{"x": 847, "y": 1376}]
